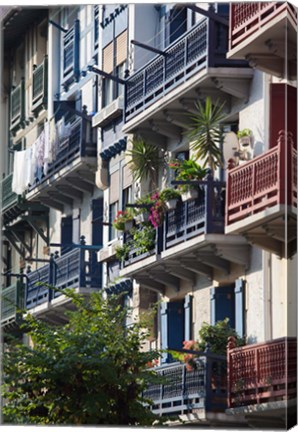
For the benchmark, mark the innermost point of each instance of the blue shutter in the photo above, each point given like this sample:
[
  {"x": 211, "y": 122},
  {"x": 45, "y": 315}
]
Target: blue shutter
[
  {"x": 212, "y": 306},
  {"x": 222, "y": 304},
  {"x": 97, "y": 239},
  {"x": 240, "y": 307},
  {"x": 164, "y": 330},
  {"x": 188, "y": 317},
  {"x": 66, "y": 234}
]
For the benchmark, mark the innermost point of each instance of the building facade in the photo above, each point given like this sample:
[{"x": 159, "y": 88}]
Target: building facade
[{"x": 81, "y": 87}]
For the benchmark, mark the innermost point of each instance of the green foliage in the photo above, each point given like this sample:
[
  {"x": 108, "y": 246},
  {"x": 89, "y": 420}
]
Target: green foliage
[
  {"x": 145, "y": 161},
  {"x": 122, "y": 252},
  {"x": 91, "y": 371},
  {"x": 206, "y": 133},
  {"x": 244, "y": 133},
  {"x": 216, "y": 336},
  {"x": 143, "y": 239},
  {"x": 168, "y": 194}
]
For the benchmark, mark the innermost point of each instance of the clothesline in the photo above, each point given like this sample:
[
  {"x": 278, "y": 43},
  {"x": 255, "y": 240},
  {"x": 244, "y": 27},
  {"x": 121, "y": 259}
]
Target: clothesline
[{"x": 32, "y": 163}]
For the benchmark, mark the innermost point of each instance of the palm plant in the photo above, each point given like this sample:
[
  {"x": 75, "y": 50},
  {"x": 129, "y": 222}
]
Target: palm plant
[
  {"x": 206, "y": 133},
  {"x": 145, "y": 161}
]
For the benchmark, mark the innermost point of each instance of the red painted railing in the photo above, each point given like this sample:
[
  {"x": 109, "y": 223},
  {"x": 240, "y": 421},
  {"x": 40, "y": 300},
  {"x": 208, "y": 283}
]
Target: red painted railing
[
  {"x": 247, "y": 18},
  {"x": 261, "y": 182},
  {"x": 263, "y": 372}
]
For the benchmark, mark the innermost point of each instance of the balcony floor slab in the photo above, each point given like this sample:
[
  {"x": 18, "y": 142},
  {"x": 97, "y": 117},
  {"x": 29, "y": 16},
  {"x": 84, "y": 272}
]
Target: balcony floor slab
[{"x": 203, "y": 80}]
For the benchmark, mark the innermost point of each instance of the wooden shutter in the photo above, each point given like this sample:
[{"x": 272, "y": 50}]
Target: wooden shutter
[
  {"x": 188, "y": 317},
  {"x": 108, "y": 58},
  {"x": 114, "y": 187},
  {"x": 66, "y": 234},
  {"x": 240, "y": 307},
  {"x": 222, "y": 304},
  {"x": 126, "y": 176},
  {"x": 121, "y": 48}
]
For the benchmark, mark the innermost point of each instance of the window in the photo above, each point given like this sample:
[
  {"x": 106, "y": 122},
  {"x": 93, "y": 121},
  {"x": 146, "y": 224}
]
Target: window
[
  {"x": 126, "y": 197},
  {"x": 177, "y": 24},
  {"x": 66, "y": 234},
  {"x": 112, "y": 215},
  {"x": 114, "y": 54}
]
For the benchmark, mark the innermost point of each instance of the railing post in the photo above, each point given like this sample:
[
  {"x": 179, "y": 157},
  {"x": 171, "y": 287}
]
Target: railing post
[
  {"x": 52, "y": 274},
  {"x": 209, "y": 204},
  {"x": 231, "y": 345},
  {"x": 82, "y": 277},
  {"x": 257, "y": 374}
]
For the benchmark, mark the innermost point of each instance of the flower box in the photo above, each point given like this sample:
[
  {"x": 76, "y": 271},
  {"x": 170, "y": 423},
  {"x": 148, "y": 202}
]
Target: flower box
[{"x": 189, "y": 195}]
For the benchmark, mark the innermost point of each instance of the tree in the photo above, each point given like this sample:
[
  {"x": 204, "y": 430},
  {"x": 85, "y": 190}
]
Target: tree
[
  {"x": 145, "y": 161},
  {"x": 206, "y": 133},
  {"x": 90, "y": 371}
]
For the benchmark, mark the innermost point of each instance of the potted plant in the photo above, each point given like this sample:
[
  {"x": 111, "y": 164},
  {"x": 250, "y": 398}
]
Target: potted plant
[
  {"x": 146, "y": 161},
  {"x": 244, "y": 137},
  {"x": 205, "y": 133},
  {"x": 170, "y": 197},
  {"x": 187, "y": 171}
]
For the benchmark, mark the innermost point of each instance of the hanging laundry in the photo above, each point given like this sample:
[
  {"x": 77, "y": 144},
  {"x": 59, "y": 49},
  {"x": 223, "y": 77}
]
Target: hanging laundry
[
  {"x": 53, "y": 137},
  {"x": 19, "y": 172},
  {"x": 30, "y": 165},
  {"x": 48, "y": 155},
  {"x": 40, "y": 145}
]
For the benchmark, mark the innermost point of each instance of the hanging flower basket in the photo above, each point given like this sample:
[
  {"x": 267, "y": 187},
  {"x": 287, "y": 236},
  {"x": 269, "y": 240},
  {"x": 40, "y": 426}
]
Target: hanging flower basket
[
  {"x": 142, "y": 217},
  {"x": 189, "y": 195},
  {"x": 171, "y": 203}
]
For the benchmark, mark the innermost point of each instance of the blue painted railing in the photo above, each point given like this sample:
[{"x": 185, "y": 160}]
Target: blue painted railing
[
  {"x": 76, "y": 269},
  {"x": 80, "y": 143},
  {"x": 183, "y": 391},
  {"x": 203, "y": 46},
  {"x": 203, "y": 215}
]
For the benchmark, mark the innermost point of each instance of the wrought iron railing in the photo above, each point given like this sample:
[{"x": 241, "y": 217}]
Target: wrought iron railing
[
  {"x": 184, "y": 391},
  {"x": 246, "y": 18},
  {"x": 40, "y": 85},
  {"x": 262, "y": 372},
  {"x": 260, "y": 183},
  {"x": 204, "y": 214},
  {"x": 17, "y": 105},
  {"x": 71, "y": 50},
  {"x": 11, "y": 302},
  {"x": 9, "y": 198},
  {"x": 76, "y": 269}
]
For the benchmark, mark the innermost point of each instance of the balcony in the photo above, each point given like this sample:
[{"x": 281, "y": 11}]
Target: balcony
[
  {"x": 190, "y": 241},
  {"x": 195, "y": 65},
  {"x": 71, "y": 59},
  {"x": 76, "y": 269},
  {"x": 74, "y": 165},
  {"x": 12, "y": 300},
  {"x": 262, "y": 379},
  {"x": 265, "y": 34},
  {"x": 17, "y": 106},
  {"x": 40, "y": 86},
  {"x": 260, "y": 194},
  {"x": 194, "y": 395}
]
